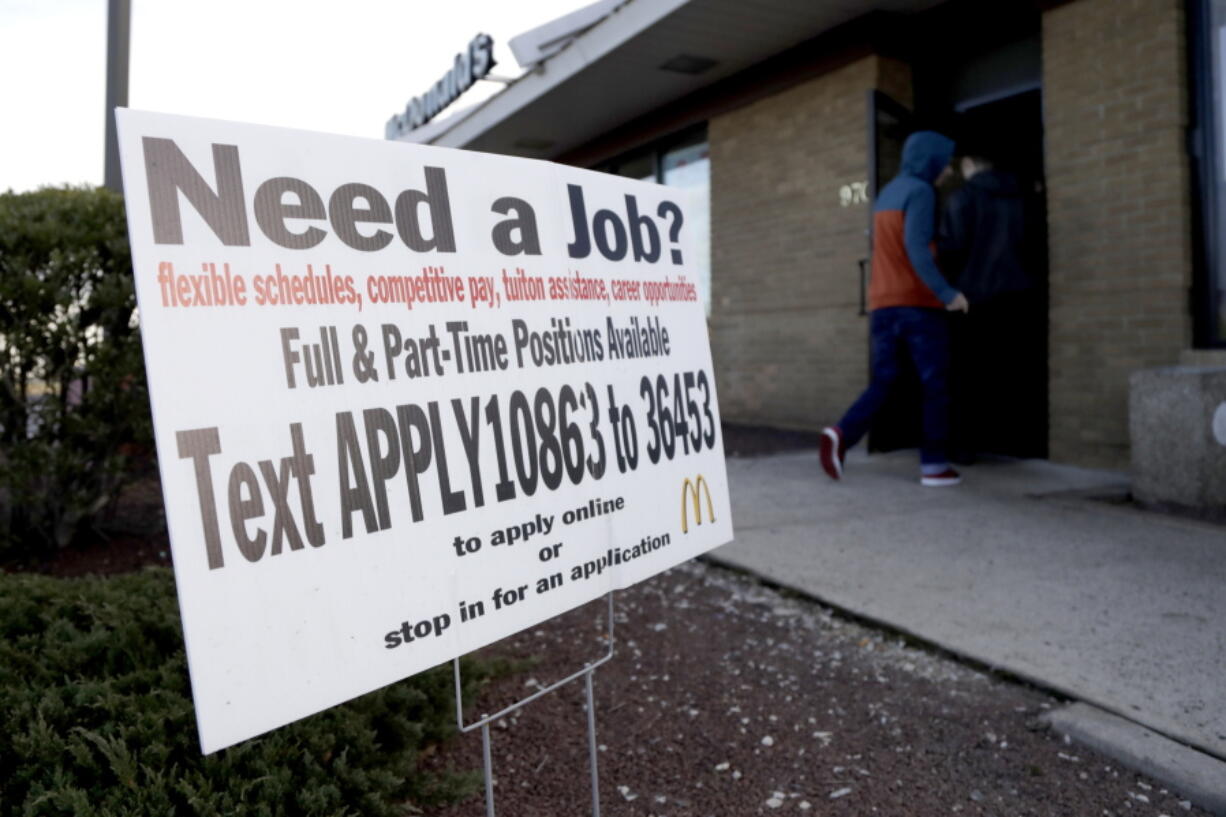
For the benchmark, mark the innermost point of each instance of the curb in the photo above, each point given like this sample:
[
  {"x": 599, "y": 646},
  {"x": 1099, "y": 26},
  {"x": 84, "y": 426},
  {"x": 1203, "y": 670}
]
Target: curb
[{"x": 1199, "y": 777}]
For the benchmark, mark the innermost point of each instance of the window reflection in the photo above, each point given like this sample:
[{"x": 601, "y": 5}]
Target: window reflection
[
  {"x": 682, "y": 162},
  {"x": 690, "y": 167}
]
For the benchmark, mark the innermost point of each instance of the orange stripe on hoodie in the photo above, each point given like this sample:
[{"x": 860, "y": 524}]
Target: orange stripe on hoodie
[{"x": 894, "y": 281}]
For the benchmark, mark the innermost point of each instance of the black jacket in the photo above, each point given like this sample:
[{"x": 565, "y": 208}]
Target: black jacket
[{"x": 981, "y": 243}]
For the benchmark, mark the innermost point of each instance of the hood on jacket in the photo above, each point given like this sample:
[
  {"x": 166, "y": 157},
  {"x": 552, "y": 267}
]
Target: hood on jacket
[{"x": 925, "y": 154}]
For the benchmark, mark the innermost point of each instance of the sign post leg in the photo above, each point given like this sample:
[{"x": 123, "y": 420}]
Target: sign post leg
[
  {"x": 489, "y": 770},
  {"x": 592, "y": 748},
  {"x": 586, "y": 672}
]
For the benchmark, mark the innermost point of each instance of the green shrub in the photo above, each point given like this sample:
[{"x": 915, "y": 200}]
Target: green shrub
[
  {"x": 73, "y": 401},
  {"x": 96, "y": 719}
]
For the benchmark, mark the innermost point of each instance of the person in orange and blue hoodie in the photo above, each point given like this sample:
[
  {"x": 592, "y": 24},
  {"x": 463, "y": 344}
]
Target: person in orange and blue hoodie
[{"x": 908, "y": 298}]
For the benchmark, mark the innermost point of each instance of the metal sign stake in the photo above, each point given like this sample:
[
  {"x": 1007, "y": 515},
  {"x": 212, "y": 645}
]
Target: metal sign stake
[
  {"x": 591, "y": 743},
  {"x": 484, "y": 724}
]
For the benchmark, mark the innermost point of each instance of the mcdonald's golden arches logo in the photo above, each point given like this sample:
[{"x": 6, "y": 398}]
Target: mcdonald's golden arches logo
[{"x": 689, "y": 489}]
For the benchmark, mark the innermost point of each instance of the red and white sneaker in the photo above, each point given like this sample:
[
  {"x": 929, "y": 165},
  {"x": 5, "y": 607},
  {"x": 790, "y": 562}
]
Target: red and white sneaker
[
  {"x": 947, "y": 477},
  {"x": 831, "y": 452}
]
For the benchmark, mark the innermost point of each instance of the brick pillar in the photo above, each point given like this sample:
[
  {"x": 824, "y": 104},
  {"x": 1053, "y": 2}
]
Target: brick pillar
[
  {"x": 790, "y": 349},
  {"x": 1115, "y": 104}
]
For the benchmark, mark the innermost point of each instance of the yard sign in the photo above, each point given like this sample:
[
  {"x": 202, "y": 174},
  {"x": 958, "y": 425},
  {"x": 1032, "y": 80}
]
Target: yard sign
[{"x": 407, "y": 401}]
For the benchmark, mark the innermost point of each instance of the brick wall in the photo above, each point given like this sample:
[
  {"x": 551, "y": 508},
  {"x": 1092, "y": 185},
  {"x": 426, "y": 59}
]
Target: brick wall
[
  {"x": 789, "y": 348},
  {"x": 1115, "y": 108}
]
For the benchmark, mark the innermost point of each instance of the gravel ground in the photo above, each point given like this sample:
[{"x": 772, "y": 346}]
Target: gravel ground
[{"x": 729, "y": 698}]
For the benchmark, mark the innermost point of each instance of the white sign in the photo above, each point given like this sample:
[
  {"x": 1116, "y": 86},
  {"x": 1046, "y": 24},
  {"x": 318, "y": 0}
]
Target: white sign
[{"x": 407, "y": 401}]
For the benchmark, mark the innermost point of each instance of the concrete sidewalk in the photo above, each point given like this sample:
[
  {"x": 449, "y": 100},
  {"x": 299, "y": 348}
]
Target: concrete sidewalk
[{"x": 1120, "y": 608}]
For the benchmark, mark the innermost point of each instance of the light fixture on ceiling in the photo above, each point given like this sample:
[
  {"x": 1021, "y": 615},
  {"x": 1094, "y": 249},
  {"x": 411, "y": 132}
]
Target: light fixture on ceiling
[
  {"x": 689, "y": 64},
  {"x": 533, "y": 143}
]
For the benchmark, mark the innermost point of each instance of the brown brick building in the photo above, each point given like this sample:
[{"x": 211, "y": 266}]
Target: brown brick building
[{"x": 790, "y": 113}]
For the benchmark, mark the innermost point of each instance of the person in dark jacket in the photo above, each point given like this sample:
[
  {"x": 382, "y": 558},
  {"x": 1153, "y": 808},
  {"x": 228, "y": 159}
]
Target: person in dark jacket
[
  {"x": 908, "y": 297},
  {"x": 982, "y": 248},
  {"x": 981, "y": 241}
]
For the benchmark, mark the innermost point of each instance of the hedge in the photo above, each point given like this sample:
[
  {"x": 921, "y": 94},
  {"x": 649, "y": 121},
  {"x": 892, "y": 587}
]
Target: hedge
[
  {"x": 96, "y": 719},
  {"x": 73, "y": 403}
]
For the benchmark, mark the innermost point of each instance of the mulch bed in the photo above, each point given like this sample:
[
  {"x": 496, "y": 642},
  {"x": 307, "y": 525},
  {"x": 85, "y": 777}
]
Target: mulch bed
[{"x": 727, "y": 697}]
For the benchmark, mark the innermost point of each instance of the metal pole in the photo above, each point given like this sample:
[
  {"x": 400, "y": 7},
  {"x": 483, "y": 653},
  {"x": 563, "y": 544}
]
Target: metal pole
[
  {"x": 118, "y": 36},
  {"x": 489, "y": 770},
  {"x": 459, "y": 696},
  {"x": 591, "y": 745},
  {"x": 587, "y": 672}
]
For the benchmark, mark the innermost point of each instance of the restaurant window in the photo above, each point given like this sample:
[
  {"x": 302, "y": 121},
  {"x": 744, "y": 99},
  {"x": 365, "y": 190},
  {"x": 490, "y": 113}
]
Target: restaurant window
[{"x": 682, "y": 161}]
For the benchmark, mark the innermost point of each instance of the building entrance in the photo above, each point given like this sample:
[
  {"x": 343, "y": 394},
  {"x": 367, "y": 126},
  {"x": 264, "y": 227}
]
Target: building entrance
[
  {"x": 991, "y": 104},
  {"x": 999, "y": 367}
]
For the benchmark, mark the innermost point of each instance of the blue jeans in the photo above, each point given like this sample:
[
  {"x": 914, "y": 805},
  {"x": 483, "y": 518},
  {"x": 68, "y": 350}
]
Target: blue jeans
[{"x": 923, "y": 335}]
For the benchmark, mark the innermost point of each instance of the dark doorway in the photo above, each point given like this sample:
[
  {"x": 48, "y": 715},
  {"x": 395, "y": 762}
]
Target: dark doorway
[
  {"x": 999, "y": 372},
  {"x": 979, "y": 81}
]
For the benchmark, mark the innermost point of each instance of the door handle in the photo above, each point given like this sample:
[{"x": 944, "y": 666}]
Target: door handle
[{"x": 863, "y": 286}]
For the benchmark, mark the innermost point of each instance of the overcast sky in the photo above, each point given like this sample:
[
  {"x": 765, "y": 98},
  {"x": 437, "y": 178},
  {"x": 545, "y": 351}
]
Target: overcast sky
[{"x": 341, "y": 67}]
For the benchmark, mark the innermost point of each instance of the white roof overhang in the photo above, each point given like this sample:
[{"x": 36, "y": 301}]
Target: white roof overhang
[{"x": 611, "y": 73}]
